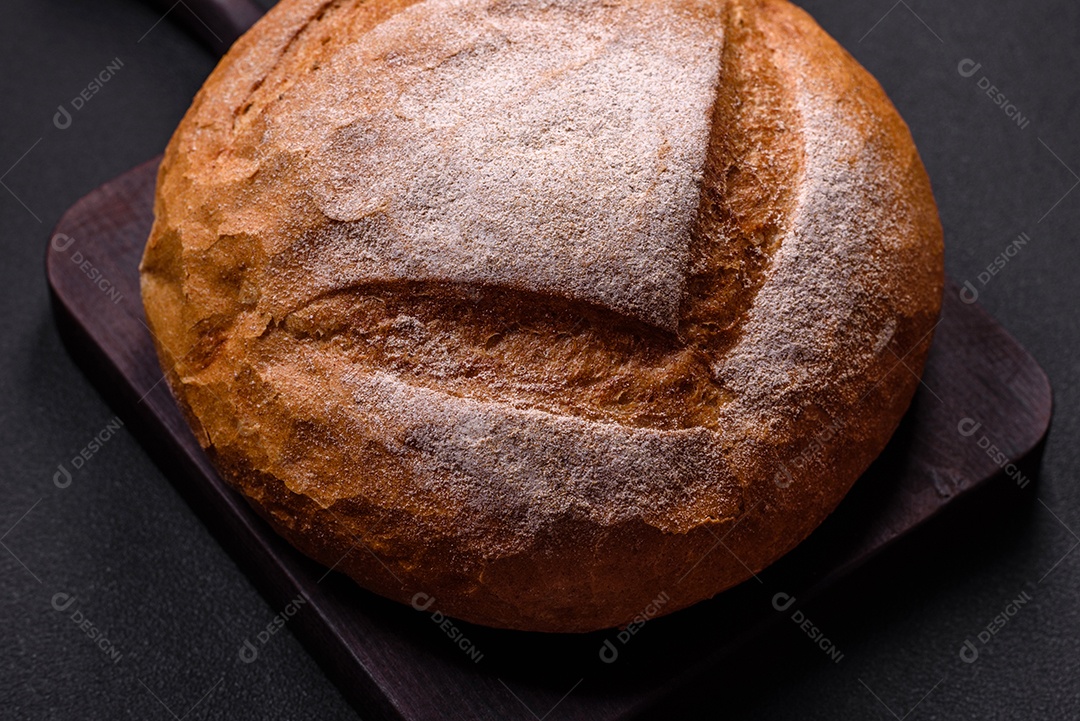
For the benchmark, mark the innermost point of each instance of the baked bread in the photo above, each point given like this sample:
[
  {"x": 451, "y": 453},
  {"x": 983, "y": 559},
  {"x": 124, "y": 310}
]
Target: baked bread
[{"x": 542, "y": 308}]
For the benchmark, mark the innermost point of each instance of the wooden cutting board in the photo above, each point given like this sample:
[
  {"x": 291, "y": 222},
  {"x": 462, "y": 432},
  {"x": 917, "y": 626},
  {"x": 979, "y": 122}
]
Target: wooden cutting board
[{"x": 399, "y": 663}]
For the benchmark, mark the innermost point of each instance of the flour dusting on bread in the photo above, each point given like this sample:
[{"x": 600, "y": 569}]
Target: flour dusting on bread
[{"x": 554, "y": 147}]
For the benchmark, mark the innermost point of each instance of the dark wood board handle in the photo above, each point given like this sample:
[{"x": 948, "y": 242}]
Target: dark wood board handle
[{"x": 217, "y": 23}]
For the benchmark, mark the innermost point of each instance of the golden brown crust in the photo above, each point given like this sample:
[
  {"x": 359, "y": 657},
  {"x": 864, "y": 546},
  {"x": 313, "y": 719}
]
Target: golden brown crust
[{"x": 535, "y": 446}]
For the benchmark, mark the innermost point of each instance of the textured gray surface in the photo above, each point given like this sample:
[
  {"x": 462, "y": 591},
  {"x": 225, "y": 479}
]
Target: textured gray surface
[{"x": 175, "y": 607}]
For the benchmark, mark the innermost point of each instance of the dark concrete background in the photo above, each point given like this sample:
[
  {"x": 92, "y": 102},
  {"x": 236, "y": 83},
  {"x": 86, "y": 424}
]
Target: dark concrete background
[{"x": 175, "y": 607}]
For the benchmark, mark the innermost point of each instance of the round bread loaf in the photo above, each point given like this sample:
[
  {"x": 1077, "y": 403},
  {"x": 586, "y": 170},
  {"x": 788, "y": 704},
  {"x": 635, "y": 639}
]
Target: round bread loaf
[{"x": 542, "y": 308}]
